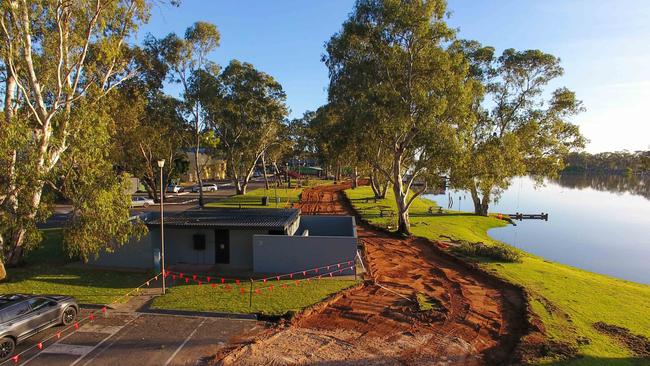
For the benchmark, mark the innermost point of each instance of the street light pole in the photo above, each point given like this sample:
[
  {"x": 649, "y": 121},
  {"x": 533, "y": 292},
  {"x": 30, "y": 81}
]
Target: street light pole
[{"x": 161, "y": 164}]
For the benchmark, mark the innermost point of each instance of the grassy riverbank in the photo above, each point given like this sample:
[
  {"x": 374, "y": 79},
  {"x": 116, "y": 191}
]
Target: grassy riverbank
[{"x": 567, "y": 300}]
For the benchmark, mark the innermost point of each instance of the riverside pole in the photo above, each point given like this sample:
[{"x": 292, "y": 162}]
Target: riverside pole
[{"x": 161, "y": 164}]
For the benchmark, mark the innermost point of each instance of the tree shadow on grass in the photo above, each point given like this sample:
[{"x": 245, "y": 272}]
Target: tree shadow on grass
[{"x": 602, "y": 361}]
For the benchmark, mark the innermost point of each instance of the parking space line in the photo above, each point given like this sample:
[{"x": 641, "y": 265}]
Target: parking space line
[
  {"x": 102, "y": 342},
  {"x": 68, "y": 349},
  {"x": 184, "y": 343}
]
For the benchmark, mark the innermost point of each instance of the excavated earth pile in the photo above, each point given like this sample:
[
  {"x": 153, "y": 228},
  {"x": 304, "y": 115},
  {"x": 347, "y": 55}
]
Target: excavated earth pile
[{"x": 474, "y": 319}]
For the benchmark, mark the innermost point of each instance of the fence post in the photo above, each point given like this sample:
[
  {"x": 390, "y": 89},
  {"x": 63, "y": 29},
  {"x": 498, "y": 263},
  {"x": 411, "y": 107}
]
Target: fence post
[{"x": 250, "y": 295}]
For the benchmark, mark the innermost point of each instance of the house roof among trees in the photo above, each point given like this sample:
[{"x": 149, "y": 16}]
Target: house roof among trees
[{"x": 231, "y": 218}]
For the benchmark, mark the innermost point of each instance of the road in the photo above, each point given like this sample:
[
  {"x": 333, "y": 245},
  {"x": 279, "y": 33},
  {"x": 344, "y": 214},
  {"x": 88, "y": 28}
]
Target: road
[
  {"x": 138, "y": 339},
  {"x": 174, "y": 202}
]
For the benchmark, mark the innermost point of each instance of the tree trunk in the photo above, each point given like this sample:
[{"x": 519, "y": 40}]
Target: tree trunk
[
  {"x": 278, "y": 175},
  {"x": 266, "y": 179},
  {"x": 480, "y": 206},
  {"x": 384, "y": 189},
  {"x": 242, "y": 188},
  {"x": 485, "y": 203},
  {"x": 152, "y": 188},
  {"x": 373, "y": 185},
  {"x": 403, "y": 222},
  {"x": 379, "y": 188},
  {"x": 197, "y": 168},
  {"x": 355, "y": 180}
]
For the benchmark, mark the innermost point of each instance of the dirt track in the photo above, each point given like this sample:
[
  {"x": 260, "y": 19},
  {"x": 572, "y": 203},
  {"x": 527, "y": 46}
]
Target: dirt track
[{"x": 480, "y": 320}]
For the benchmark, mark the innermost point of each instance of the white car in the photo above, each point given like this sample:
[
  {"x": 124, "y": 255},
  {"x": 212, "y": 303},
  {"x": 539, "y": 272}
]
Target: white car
[
  {"x": 174, "y": 188},
  {"x": 207, "y": 187},
  {"x": 141, "y": 202}
]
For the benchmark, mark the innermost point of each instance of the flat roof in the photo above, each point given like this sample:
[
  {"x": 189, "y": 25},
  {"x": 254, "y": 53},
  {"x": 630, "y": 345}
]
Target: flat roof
[{"x": 231, "y": 218}]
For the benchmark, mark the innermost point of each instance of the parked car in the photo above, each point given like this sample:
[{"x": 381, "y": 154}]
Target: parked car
[
  {"x": 207, "y": 187},
  {"x": 141, "y": 202},
  {"x": 22, "y": 316},
  {"x": 174, "y": 188}
]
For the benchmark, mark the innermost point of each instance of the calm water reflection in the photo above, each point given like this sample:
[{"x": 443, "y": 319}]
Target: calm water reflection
[{"x": 598, "y": 223}]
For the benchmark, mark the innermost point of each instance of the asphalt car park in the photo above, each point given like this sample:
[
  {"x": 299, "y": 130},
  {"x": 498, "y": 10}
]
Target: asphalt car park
[{"x": 141, "y": 339}]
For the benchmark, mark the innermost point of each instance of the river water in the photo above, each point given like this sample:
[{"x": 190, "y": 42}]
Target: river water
[{"x": 598, "y": 223}]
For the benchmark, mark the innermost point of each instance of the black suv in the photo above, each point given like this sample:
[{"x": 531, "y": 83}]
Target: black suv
[{"x": 22, "y": 316}]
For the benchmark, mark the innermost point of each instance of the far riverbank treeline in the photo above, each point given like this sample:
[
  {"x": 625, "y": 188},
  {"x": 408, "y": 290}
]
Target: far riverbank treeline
[{"x": 617, "y": 162}]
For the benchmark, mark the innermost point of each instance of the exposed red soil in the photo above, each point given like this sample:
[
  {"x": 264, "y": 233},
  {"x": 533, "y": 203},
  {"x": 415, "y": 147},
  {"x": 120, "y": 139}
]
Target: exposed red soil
[{"x": 480, "y": 322}]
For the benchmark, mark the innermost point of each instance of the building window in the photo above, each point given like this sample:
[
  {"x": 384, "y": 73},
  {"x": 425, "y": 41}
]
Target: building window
[{"x": 199, "y": 242}]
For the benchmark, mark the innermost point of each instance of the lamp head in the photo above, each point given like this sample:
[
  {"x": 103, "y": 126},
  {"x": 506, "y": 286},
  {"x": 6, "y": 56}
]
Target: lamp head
[{"x": 161, "y": 163}]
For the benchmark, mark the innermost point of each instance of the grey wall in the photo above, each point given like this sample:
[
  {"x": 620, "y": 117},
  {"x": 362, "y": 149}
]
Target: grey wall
[
  {"x": 241, "y": 247},
  {"x": 179, "y": 246},
  {"x": 285, "y": 254},
  {"x": 135, "y": 254},
  {"x": 328, "y": 225}
]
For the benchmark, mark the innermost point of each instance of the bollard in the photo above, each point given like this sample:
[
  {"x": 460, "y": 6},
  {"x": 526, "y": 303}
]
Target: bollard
[{"x": 250, "y": 296}]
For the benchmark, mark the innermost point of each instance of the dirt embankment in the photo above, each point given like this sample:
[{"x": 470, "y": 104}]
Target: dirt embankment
[{"x": 476, "y": 320}]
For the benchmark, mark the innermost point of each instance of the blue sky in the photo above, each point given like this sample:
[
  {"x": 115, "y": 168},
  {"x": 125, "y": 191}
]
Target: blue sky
[{"x": 604, "y": 46}]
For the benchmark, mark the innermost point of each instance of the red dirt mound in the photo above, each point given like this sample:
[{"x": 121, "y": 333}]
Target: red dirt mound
[{"x": 481, "y": 321}]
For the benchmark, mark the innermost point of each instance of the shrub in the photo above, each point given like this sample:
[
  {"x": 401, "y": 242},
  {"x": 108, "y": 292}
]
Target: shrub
[{"x": 498, "y": 251}]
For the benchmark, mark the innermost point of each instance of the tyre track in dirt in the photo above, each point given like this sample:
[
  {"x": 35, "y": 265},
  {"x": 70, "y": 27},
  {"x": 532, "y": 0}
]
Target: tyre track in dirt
[{"x": 479, "y": 320}]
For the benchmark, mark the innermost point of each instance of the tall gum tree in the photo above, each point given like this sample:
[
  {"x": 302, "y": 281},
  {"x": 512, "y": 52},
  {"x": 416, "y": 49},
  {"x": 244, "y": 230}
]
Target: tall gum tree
[
  {"x": 59, "y": 58},
  {"x": 245, "y": 109},
  {"x": 517, "y": 130},
  {"x": 187, "y": 59},
  {"x": 400, "y": 86}
]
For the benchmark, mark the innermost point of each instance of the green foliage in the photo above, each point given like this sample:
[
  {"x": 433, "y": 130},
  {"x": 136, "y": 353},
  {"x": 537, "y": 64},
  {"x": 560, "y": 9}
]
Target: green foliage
[
  {"x": 60, "y": 60},
  {"x": 279, "y": 301},
  {"x": 516, "y": 132},
  {"x": 245, "y": 108},
  {"x": 46, "y": 272},
  {"x": 400, "y": 94},
  {"x": 617, "y": 162},
  {"x": 498, "y": 251},
  {"x": 426, "y": 303},
  {"x": 148, "y": 126}
]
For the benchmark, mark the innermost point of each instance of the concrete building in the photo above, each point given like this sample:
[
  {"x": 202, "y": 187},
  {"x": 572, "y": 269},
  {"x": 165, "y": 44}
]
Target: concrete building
[{"x": 230, "y": 240}]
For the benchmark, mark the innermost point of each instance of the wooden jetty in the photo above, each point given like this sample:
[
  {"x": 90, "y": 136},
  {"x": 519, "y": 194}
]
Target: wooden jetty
[{"x": 521, "y": 216}]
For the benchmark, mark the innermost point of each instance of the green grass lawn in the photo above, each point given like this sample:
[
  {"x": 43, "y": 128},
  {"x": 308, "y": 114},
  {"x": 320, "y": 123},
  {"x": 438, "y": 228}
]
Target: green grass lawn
[
  {"x": 275, "y": 302},
  {"x": 286, "y": 197},
  {"x": 46, "y": 272},
  {"x": 567, "y": 300}
]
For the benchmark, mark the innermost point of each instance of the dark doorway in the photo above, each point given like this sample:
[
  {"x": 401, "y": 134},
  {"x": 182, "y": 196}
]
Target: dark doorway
[{"x": 221, "y": 246}]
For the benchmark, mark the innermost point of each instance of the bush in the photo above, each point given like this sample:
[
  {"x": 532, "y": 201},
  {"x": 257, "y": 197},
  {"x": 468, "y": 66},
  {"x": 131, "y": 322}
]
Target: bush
[{"x": 499, "y": 252}]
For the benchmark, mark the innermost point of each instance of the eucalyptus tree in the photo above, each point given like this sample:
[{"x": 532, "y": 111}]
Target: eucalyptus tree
[
  {"x": 390, "y": 68},
  {"x": 150, "y": 128},
  {"x": 330, "y": 139},
  {"x": 187, "y": 58},
  {"x": 149, "y": 125},
  {"x": 59, "y": 58},
  {"x": 517, "y": 131},
  {"x": 245, "y": 109}
]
